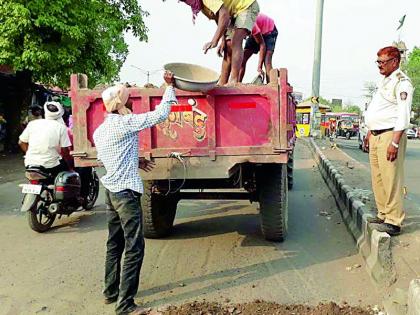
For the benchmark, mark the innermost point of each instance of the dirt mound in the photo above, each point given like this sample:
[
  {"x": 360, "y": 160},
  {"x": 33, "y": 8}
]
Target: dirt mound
[{"x": 264, "y": 308}]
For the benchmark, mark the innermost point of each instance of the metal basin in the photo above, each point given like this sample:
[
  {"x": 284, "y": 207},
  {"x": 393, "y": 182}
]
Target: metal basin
[{"x": 193, "y": 78}]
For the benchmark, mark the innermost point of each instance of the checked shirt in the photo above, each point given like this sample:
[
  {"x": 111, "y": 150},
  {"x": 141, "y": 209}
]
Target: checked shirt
[{"x": 117, "y": 144}]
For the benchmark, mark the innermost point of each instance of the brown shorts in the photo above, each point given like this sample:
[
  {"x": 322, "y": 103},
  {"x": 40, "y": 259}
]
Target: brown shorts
[{"x": 245, "y": 19}]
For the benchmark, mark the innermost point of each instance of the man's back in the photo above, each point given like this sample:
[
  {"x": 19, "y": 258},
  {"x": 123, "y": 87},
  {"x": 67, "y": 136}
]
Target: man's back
[
  {"x": 45, "y": 138},
  {"x": 117, "y": 144},
  {"x": 117, "y": 147},
  {"x": 211, "y": 7}
]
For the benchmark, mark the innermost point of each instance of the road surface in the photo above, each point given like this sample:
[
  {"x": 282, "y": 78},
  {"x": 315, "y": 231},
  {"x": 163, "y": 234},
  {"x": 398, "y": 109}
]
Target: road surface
[{"x": 216, "y": 253}]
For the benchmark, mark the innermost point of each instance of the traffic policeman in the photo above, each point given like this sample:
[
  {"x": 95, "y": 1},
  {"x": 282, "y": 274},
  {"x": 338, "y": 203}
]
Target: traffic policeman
[{"x": 387, "y": 118}]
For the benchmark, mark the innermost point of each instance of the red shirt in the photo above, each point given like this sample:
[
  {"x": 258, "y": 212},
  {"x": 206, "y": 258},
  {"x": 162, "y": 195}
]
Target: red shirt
[{"x": 263, "y": 25}]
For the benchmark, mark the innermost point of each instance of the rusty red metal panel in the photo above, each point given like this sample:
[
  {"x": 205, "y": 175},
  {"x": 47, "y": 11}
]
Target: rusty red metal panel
[
  {"x": 243, "y": 126},
  {"x": 283, "y": 108},
  {"x": 211, "y": 128},
  {"x": 183, "y": 129}
]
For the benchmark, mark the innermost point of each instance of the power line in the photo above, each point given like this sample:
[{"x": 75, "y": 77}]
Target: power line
[{"x": 147, "y": 72}]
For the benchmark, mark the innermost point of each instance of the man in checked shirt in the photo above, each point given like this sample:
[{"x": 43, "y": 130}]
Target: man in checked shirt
[{"x": 117, "y": 144}]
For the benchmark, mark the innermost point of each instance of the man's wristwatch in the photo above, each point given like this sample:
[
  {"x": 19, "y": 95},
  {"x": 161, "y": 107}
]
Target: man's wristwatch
[{"x": 395, "y": 145}]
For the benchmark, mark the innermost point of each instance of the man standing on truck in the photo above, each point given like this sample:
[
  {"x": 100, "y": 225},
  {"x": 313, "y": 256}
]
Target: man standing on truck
[
  {"x": 263, "y": 41},
  {"x": 235, "y": 19},
  {"x": 387, "y": 118},
  {"x": 117, "y": 144}
]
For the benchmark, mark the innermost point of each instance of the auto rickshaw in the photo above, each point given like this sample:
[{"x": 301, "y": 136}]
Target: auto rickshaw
[{"x": 345, "y": 128}]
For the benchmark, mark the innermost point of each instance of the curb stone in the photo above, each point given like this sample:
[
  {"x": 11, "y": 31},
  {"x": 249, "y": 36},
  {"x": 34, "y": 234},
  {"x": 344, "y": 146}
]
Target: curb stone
[
  {"x": 414, "y": 297},
  {"x": 375, "y": 247}
]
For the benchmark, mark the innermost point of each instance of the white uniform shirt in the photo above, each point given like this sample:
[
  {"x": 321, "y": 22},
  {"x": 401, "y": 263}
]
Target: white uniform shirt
[
  {"x": 46, "y": 138},
  {"x": 391, "y": 104}
]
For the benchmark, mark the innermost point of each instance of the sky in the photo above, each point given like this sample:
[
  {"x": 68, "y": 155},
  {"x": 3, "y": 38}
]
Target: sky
[{"x": 354, "y": 30}]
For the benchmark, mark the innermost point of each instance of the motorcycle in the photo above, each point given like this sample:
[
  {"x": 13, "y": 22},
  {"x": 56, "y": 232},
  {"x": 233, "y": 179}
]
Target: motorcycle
[{"x": 46, "y": 197}]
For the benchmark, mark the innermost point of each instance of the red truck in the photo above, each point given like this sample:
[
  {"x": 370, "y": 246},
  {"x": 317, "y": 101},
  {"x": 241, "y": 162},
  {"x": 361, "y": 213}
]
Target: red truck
[{"x": 240, "y": 139}]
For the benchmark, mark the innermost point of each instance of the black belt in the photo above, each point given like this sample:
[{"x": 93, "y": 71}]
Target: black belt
[{"x": 378, "y": 132}]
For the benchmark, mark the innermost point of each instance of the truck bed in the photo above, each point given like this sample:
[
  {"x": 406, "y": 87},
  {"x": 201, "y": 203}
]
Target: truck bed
[{"x": 212, "y": 132}]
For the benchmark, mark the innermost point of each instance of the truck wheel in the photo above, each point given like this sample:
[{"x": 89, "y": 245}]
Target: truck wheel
[
  {"x": 272, "y": 193},
  {"x": 92, "y": 196},
  {"x": 158, "y": 212},
  {"x": 290, "y": 164}
]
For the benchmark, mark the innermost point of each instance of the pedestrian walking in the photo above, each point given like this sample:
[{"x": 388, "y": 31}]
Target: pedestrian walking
[
  {"x": 235, "y": 19},
  {"x": 117, "y": 144},
  {"x": 387, "y": 119}
]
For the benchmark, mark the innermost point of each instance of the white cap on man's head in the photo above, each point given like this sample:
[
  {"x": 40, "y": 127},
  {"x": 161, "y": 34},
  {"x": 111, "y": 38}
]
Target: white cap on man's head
[
  {"x": 115, "y": 98},
  {"x": 54, "y": 111}
]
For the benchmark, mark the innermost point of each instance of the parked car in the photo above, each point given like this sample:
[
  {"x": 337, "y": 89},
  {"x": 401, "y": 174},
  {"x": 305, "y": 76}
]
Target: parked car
[{"x": 411, "y": 134}]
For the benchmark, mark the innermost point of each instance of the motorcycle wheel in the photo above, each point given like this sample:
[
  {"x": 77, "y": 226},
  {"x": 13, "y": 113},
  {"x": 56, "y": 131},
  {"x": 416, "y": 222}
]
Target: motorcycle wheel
[
  {"x": 39, "y": 218},
  {"x": 92, "y": 196}
]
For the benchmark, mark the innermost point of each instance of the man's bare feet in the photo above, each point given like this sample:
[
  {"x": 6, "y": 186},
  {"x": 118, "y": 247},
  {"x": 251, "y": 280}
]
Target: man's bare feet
[{"x": 233, "y": 84}]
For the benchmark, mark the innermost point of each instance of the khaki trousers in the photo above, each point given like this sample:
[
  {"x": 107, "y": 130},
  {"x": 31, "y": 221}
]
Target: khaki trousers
[{"x": 388, "y": 177}]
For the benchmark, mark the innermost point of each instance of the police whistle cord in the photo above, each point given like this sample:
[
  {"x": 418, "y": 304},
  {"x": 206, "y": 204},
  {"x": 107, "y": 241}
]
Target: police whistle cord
[{"x": 177, "y": 156}]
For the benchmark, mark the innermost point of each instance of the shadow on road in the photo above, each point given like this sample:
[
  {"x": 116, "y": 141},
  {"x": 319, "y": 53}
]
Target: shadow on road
[{"x": 312, "y": 240}]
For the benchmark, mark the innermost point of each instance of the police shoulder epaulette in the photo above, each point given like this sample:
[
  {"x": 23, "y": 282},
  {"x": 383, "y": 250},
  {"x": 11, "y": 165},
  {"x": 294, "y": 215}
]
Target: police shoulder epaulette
[{"x": 402, "y": 77}]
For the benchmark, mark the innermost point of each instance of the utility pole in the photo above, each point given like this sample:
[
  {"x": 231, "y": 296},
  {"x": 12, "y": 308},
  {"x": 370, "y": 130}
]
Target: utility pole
[{"x": 316, "y": 72}]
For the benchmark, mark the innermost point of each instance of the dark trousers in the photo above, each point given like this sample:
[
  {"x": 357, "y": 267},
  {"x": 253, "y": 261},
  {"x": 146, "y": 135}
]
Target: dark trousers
[
  {"x": 62, "y": 167},
  {"x": 125, "y": 233},
  {"x": 85, "y": 174}
]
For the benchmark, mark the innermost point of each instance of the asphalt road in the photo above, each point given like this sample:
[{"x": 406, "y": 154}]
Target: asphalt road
[
  {"x": 412, "y": 166},
  {"x": 216, "y": 253}
]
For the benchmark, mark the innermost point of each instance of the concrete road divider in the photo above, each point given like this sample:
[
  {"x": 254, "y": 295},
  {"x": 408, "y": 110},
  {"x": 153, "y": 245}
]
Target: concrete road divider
[
  {"x": 375, "y": 247},
  {"x": 414, "y": 298}
]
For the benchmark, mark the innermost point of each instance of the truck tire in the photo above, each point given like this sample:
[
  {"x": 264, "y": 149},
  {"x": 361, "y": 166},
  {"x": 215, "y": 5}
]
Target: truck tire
[
  {"x": 272, "y": 193},
  {"x": 290, "y": 165},
  {"x": 158, "y": 212},
  {"x": 92, "y": 196}
]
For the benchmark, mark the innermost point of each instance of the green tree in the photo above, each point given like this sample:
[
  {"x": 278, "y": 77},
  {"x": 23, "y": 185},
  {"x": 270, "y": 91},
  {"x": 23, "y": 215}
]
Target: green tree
[
  {"x": 47, "y": 40},
  {"x": 412, "y": 68},
  {"x": 336, "y": 108},
  {"x": 353, "y": 109}
]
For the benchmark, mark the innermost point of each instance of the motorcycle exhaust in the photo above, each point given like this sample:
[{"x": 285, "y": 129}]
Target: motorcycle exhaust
[{"x": 54, "y": 208}]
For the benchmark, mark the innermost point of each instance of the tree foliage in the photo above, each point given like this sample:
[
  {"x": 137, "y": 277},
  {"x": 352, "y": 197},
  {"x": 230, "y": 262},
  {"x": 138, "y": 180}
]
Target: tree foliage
[
  {"x": 412, "y": 68},
  {"x": 55, "y": 38},
  {"x": 353, "y": 109}
]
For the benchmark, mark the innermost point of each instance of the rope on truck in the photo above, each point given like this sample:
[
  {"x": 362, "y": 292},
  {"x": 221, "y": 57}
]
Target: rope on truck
[{"x": 177, "y": 156}]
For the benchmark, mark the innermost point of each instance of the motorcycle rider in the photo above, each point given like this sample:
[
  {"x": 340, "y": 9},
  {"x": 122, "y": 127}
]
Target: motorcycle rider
[{"x": 46, "y": 142}]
